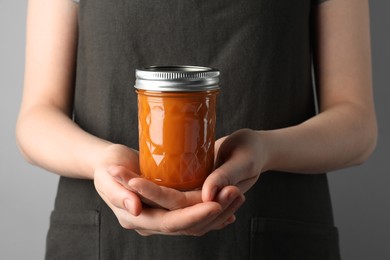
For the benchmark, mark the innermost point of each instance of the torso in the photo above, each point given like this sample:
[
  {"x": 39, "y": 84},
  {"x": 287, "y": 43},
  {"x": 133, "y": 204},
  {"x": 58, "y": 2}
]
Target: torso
[{"x": 262, "y": 49}]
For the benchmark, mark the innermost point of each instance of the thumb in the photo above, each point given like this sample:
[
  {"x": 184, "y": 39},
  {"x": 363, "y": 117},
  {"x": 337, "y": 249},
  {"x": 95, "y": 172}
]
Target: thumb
[{"x": 121, "y": 174}]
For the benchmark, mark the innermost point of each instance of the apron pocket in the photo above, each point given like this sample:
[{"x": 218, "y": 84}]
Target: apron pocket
[
  {"x": 73, "y": 235},
  {"x": 278, "y": 239}
]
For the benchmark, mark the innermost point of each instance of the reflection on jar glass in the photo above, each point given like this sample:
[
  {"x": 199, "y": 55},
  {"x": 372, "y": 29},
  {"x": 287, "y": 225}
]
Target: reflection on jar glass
[{"x": 176, "y": 115}]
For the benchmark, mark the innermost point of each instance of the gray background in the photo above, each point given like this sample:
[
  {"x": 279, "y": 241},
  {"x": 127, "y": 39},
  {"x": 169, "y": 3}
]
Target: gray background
[{"x": 360, "y": 195}]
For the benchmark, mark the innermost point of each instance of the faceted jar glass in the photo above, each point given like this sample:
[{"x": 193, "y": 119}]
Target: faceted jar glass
[{"x": 176, "y": 137}]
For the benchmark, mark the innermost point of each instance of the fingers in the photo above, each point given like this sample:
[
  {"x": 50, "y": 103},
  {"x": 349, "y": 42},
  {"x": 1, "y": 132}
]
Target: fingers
[
  {"x": 194, "y": 220},
  {"x": 182, "y": 220},
  {"x": 176, "y": 222},
  {"x": 227, "y": 217},
  {"x": 229, "y": 173},
  {"x": 155, "y": 195},
  {"x": 179, "y": 213},
  {"x": 116, "y": 194},
  {"x": 230, "y": 198},
  {"x": 186, "y": 221}
]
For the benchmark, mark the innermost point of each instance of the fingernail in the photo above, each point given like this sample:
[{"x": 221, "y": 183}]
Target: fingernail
[
  {"x": 231, "y": 219},
  {"x": 129, "y": 207},
  {"x": 118, "y": 178},
  {"x": 213, "y": 192}
]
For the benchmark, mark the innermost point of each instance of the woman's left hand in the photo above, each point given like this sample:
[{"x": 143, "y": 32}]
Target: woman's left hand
[{"x": 240, "y": 159}]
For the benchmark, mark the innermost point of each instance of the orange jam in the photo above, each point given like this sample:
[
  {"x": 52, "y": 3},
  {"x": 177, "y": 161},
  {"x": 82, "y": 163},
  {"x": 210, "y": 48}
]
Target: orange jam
[
  {"x": 176, "y": 132},
  {"x": 176, "y": 136}
]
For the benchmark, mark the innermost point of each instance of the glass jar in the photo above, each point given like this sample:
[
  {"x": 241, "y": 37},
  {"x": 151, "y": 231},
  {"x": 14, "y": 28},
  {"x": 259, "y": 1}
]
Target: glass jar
[{"x": 176, "y": 120}]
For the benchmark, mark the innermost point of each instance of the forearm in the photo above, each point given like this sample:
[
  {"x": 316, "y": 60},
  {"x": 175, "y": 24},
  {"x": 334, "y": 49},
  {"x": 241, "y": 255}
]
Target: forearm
[
  {"x": 341, "y": 136},
  {"x": 49, "y": 139}
]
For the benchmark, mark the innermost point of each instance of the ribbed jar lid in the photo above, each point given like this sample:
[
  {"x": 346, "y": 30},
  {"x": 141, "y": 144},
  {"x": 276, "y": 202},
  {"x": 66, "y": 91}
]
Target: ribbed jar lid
[{"x": 177, "y": 78}]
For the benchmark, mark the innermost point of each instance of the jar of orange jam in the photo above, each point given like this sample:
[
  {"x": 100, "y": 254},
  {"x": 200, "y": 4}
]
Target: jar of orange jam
[{"x": 176, "y": 121}]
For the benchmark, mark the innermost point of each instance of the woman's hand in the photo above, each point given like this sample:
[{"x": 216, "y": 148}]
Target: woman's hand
[
  {"x": 112, "y": 192},
  {"x": 169, "y": 211},
  {"x": 240, "y": 158},
  {"x": 181, "y": 213}
]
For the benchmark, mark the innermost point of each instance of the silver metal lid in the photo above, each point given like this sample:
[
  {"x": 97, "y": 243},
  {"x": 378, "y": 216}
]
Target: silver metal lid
[{"x": 177, "y": 78}]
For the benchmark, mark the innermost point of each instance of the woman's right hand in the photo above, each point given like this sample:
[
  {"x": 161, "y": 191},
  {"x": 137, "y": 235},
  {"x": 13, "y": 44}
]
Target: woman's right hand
[{"x": 168, "y": 211}]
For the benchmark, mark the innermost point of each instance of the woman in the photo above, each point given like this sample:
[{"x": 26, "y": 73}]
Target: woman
[{"x": 78, "y": 119}]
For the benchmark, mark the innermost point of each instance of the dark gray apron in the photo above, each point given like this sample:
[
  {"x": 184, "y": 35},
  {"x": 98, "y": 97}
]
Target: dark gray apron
[{"x": 262, "y": 48}]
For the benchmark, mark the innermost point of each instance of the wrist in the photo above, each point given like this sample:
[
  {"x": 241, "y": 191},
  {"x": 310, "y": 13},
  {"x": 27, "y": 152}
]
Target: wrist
[
  {"x": 97, "y": 159},
  {"x": 267, "y": 150}
]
